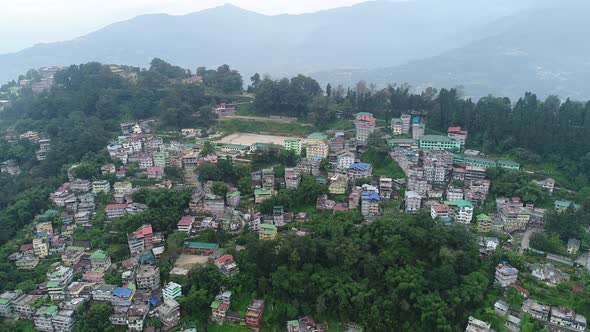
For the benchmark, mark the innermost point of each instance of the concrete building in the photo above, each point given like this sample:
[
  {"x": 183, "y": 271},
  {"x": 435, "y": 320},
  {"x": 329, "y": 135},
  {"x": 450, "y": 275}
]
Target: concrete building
[
  {"x": 385, "y": 187},
  {"x": 370, "y": 204},
  {"x": 172, "y": 290},
  {"x": 506, "y": 275},
  {"x": 81, "y": 186},
  {"x": 406, "y": 120},
  {"x": 568, "y": 319},
  {"x": 418, "y": 130},
  {"x": 396, "y": 127},
  {"x": 345, "y": 159},
  {"x": 476, "y": 325},
  {"x": 457, "y": 134},
  {"x": 185, "y": 224},
  {"x": 364, "y": 126},
  {"x": 413, "y": 201},
  {"x": 101, "y": 186},
  {"x": 254, "y": 314},
  {"x": 169, "y": 313},
  {"x": 292, "y": 179},
  {"x": 148, "y": 277},
  {"x": 536, "y": 310},
  {"x": 317, "y": 151},
  {"x": 436, "y": 142},
  {"x": 116, "y": 210},
  {"x": 214, "y": 205},
  {"x": 41, "y": 247},
  {"x": 293, "y": 144},
  {"x": 547, "y": 184},
  {"x": 140, "y": 240},
  {"x": 360, "y": 171},
  {"x": 338, "y": 184},
  {"x": 122, "y": 189},
  {"x": 100, "y": 259},
  {"x": 267, "y": 232}
]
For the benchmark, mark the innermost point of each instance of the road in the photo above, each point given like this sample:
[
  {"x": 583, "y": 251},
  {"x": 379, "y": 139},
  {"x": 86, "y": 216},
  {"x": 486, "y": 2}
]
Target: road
[{"x": 526, "y": 238}]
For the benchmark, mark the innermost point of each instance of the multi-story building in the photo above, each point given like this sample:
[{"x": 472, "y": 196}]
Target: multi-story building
[
  {"x": 122, "y": 189},
  {"x": 315, "y": 138},
  {"x": 43, "y": 317},
  {"x": 101, "y": 186},
  {"x": 233, "y": 198},
  {"x": 567, "y": 318},
  {"x": 72, "y": 255},
  {"x": 81, "y": 186},
  {"x": 237, "y": 148},
  {"x": 514, "y": 218},
  {"x": 473, "y": 173},
  {"x": 385, "y": 187},
  {"x": 338, "y": 184},
  {"x": 100, "y": 259},
  {"x": 454, "y": 194},
  {"x": 406, "y": 120},
  {"x": 345, "y": 159},
  {"x": 364, "y": 126},
  {"x": 547, "y": 184},
  {"x": 484, "y": 223},
  {"x": 41, "y": 247},
  {"x": 396, "y": 127},
  {"x": 148, "y": 277},
  {"x": 140, "y": 240},
  {"x": 413, "y": 202},
  {"x": 440, "y": 211},
  {"x": 103, "y": 292},
  {"x": 24, "y": 306},
  {"x": 418, "y": 184},
  {"x": 116, "y": 210},
  {"x": 172, "y": 290},
  {"x": 437, "y": 142},
  {"x": 456, "y": 134},
  {"x": 27, "y": 262},
  {"x": 476, "y": 325},
  {"x": 226, "y": 265},
  {"x": 293, "y": 144},
  {"x": 254, "y": 314},
  {"x": 360, "y": 171},
  {"x": 370, "y": 204},
  {"x": 317, "y": 151},
  {"x": 292, "y": 179},
  {"x": 463, "y": 210},
  {"x": 161, "y": 158},
  {"x": 267, "y": 232},
  {"x": 169, "y": 313},
  {"x": 536, "y": 310},
  {"x": 309, "y": 166},
  {"x": 185, "y": 224},
  {"x": 214, "y": 205},
  {"x": 278, "y": 216},
  {"x": 418, "y": 130},
  {"x": 506, "y": 275},
  {"x": 260, "y": 195}
]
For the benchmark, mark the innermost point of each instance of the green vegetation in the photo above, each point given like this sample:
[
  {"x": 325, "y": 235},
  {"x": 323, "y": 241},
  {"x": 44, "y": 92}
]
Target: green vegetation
[
  {"x": 230, "y": 126},
  {"x": 378, "y": 156}
]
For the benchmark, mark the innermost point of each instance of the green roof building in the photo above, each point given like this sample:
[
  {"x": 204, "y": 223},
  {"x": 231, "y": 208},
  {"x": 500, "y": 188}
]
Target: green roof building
[{"x": 439, "y": 142}]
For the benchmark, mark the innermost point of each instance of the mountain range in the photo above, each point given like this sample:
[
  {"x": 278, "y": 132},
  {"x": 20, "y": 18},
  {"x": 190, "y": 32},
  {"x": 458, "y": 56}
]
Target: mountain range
[{"x": 502, "y": 47}]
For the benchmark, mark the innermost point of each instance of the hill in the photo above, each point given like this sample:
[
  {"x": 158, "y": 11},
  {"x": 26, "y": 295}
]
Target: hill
[
  {"x": 369, "y": 35},
  {"x": 543, "y": 50}
]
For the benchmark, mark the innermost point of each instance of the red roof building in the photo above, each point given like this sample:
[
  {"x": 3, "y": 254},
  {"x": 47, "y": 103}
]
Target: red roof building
[
  {"x": 185, "y": 224},
  {"x": 254, "y": 314}
]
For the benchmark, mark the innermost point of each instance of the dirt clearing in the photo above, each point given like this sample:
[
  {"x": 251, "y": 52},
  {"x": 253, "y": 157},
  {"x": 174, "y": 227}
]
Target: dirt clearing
[
  {"x": 249, "y": 139},
  {"x": 188, "y": 261}
]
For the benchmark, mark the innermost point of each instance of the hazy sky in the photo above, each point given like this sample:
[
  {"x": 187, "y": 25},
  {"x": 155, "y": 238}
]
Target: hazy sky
[{"x": 24, "y": 23}]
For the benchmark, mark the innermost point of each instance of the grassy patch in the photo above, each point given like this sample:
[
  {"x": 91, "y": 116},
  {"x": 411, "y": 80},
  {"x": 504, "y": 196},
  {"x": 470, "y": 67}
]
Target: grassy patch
[
  {"x": 383, "y": 164},
  {"x": 240, "y": 126}
]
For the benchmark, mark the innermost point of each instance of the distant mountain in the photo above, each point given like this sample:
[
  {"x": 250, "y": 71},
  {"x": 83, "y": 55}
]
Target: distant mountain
[
  {"x": 545, "y": 51},
  {"x": 369, "y": 35}
]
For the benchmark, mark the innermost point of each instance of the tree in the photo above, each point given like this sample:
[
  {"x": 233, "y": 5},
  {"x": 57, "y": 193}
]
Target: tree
[
  {"x": 95, "y": 319},
  {"x": 219, "y": 188}
]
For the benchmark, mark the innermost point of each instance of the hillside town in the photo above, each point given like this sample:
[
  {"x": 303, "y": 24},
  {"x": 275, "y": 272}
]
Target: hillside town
[{"x": 441, "y": 178}]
